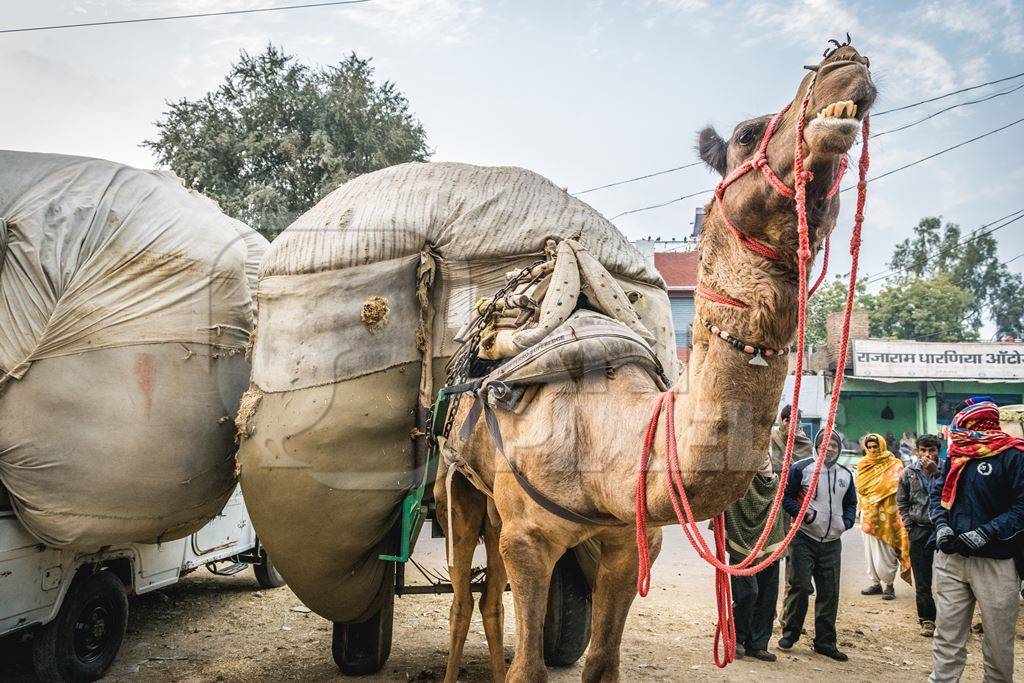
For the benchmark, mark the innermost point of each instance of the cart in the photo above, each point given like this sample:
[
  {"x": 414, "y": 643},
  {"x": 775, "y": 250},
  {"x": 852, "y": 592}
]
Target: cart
[{"x": 363, "y": 648}]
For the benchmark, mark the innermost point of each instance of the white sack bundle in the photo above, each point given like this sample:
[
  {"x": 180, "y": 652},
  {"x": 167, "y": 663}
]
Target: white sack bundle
[
  {"x": 125, "y": 308},
  {"x": 326, "y": 455}
]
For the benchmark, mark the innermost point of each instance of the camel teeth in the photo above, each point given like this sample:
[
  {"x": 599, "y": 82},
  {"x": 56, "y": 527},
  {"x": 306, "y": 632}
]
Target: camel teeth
[{"x": 841, "y": 110}]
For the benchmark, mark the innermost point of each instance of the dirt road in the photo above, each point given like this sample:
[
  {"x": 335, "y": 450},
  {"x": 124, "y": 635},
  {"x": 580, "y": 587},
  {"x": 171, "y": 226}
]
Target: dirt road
[{"x": 209, "y": 628}]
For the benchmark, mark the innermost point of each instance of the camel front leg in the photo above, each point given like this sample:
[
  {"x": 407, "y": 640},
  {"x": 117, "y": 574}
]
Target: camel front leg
[
  {"x": 529, "y": 559},
  {"x": 491, "y": 607},
  {"x": 468, "y": 508},
  {"x": 612, "y": 598}
]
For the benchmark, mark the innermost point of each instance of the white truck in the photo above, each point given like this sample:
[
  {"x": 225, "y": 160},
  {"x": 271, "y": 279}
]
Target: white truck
[{"x": 74, "y": 606}]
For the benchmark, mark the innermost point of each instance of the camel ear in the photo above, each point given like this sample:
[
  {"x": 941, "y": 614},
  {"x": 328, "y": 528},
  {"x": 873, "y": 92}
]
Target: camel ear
[{"x": 712, "y": 149}]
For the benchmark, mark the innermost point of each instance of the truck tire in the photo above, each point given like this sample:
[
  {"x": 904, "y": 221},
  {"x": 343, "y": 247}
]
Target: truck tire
[
  {"x": 266, "y": 573},
  {"x": 83, "y": 639},
  {"x": 363, "y": 648},
  {"x": 567, "y": 623}
]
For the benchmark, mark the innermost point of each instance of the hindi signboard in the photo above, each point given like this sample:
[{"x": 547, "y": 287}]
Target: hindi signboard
[{"x": 894, "y": 359}]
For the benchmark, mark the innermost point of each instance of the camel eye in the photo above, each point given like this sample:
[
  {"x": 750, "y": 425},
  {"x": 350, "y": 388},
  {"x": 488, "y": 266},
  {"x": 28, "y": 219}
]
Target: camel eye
[{"x": 746, "y": 137}]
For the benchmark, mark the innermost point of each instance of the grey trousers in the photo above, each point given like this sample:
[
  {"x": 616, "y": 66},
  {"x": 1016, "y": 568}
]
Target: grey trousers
[{"x": 959, "y": 583}]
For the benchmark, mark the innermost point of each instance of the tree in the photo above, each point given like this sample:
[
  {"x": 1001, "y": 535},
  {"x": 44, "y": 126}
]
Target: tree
[
  {"x": 830, "y": 298},
  {"x": 277, "y": 135},
  {"x": 924, "y": 309},
  {"x": 970, "y": 262},
  {"x": 1008, "y": 307}
]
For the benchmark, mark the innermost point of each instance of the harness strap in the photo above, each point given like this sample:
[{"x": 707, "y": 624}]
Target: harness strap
[
  {"x": 480, "y": 406},
  {"x": 456, "y": 463},
  {"x": 463, "y": 388}
]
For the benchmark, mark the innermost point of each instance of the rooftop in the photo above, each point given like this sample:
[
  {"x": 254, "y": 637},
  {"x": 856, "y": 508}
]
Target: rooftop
[{"x": 679, "y": 269}]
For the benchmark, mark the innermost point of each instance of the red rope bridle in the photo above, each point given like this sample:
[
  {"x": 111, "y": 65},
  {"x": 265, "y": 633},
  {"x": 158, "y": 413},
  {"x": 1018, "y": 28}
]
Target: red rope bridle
[{"x": 725, "y": 633}]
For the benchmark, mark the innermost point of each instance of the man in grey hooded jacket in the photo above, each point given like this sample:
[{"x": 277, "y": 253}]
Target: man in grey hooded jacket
[{"x": 817, "y": 549}]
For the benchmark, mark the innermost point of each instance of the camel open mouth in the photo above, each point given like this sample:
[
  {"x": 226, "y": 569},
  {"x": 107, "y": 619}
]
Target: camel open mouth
[
  {"x": 847, "y": 109},
  {"x": 834, "y": 128}
]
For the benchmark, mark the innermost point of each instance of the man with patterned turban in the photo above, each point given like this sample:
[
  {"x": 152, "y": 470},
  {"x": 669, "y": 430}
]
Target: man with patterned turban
[
  {"x": 977, "y": 506},
  {"x": 886, "y": 544}
]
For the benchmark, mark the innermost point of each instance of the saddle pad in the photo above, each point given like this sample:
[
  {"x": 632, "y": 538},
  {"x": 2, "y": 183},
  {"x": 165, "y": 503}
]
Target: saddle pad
[{"x": 586, "y": 342}]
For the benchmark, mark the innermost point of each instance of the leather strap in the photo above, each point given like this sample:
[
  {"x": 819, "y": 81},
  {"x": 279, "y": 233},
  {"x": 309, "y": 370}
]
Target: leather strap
[{"x": 479, "y": 406}]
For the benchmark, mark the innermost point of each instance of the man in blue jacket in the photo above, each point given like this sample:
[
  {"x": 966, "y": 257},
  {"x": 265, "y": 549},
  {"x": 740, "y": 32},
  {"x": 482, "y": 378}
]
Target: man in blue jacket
[
  {"x": 816, "y": 550},
  {"x": 977, "y": 506}
]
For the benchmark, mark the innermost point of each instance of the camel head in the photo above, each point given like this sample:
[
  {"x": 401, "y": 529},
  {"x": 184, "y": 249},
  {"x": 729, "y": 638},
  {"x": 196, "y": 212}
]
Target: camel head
[{"x": 841, "y": 96}]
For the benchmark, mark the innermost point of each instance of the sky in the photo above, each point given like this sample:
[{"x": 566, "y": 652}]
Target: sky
[{"x": 585, "y": 92}]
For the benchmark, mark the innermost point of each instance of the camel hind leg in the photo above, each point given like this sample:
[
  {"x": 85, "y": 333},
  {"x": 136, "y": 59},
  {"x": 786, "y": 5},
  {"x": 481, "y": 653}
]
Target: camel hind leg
[{"x": 468, "y": 510}]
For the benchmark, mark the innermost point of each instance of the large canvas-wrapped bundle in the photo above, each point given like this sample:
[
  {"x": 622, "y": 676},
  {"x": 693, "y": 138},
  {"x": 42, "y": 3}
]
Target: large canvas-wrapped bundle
[
  {"x": 125, "y": 309},
  {"x": 326, "y": 455}
]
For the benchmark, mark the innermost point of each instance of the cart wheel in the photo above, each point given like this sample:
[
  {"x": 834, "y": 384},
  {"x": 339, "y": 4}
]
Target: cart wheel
[
  {"x": 83, "y": 639},
  {"x": 363, "y": 648},
  {"x": 567, "y": 624},
  {"x": 266, "y": 573}
]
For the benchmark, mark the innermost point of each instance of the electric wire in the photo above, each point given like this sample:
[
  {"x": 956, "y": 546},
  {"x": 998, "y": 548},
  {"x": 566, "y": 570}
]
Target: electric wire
[
  {"x": 642, "y": 177},
  {"x": 874, "y": 116},
  {"x": 658, "y": 206},
  {"x": 174, "y": 17},
  {"x": 944, "y": 96},
  {"x": 944, "y": 110},
  {"x": 939, "y": 153},
  {"x": 972, "y": 236}
]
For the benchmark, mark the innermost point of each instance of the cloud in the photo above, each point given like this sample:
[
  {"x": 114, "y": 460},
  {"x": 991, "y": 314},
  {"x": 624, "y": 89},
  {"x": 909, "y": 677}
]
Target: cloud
[
  {"x": 905, "y": 63},
  {"x": 446, "y": 21},
  {"x": 682, "y": 5},
  {"x": 1003, "y": 19}
]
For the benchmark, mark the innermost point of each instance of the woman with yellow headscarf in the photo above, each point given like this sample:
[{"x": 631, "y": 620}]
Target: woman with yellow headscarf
[{"x": 886, "y": 544}]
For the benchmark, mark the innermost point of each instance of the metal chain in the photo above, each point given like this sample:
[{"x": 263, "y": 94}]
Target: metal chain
[{"x": 458, "y": 369}]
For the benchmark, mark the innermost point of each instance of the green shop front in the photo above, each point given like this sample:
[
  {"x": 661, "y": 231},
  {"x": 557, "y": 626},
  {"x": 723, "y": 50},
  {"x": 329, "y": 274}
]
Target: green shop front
[{"x": 905, "y": 386}]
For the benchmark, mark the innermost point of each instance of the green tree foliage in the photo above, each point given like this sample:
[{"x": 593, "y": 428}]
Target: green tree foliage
[
  {"x": 970, "y": 262},
  {"x": 925, "y": 309},
  {"x": 1008, "y": 307},
  {"x": 830, "y": 298},
  {"x": 277, "y": 135}
]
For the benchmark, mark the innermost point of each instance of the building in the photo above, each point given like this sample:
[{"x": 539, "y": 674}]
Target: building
[
  {"x": 894, "y": 385},
  {"x": 678, "y": 268}
]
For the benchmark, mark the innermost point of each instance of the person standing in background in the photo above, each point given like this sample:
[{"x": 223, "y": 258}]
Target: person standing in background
[
  {"x": 816, "y": 551},
  {"x": 886, "y": 544},
  {"x": 777, "y": 449},
  {"x": 777, "y": 446},
  {"x": 754, "y": 597},
  {"x": 908, "y": 447},
  {"x": 977, "y": 506},
  {"x": 912, "y": 499}
]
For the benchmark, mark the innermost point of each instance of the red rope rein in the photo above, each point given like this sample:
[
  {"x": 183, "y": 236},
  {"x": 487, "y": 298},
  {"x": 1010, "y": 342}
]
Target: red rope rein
[{"x": 725, "y": 633}]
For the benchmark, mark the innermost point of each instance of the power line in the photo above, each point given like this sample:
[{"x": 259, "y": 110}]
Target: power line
[
  {"x": 975, "y": 235},
  {"x": 658, "y": 206},
  {"x": 1009, "y": 261},
  {"x": 182, "y": 16},
  {"x": 939, "y": 153},
  {"x": 870, "y": 180},
  {"x": 944, "y": 96},
  {"x": 943, "y": 111},
  {"x": 972, "y": 313},
  {"x": 886, "y": 132},
  {"x": 642, "y": 177}
]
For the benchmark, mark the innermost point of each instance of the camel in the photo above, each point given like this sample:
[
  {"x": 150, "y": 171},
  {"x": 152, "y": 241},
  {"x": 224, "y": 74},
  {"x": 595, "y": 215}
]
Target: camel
[{"x": 578, "y": 440}]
